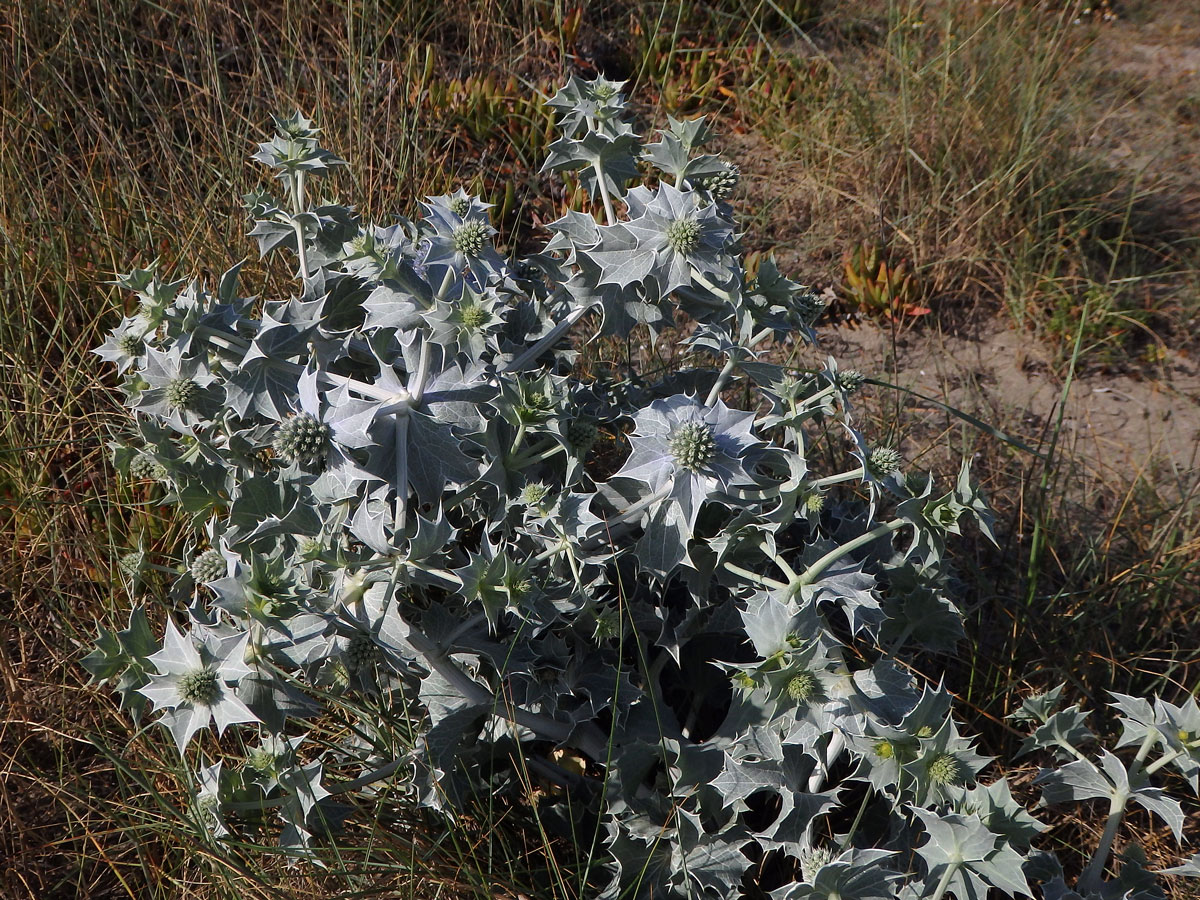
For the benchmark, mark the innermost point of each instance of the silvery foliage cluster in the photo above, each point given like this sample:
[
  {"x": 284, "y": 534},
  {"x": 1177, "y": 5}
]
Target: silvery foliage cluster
[{"x": 410, "y": 507}]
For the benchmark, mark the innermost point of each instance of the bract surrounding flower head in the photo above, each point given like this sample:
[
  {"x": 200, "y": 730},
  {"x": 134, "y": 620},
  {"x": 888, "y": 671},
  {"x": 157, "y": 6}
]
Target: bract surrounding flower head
[{"x": 194, "y": 683}]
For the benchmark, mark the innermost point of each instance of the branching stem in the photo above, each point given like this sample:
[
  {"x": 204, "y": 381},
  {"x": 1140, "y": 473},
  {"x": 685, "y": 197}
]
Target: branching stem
[{"x": 817, "y": 569}]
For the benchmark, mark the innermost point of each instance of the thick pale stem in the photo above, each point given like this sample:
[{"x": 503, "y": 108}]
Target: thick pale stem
[
  {"x": 779, "y": 561},
  {"x": 538, "y": 452},
  {"x": 634, "y": 510},
  {"x": 813, "y": 572},
  {"x": 520, "y": 436},
  {"x": 422, "y": 376},
  {"x": 722, "y": 378},
  {"x": 552, "y": 337},
  {"x": 944, "y": 884},
  {"x": 761, "y": 580},
  {"x": 401, "y": 470},
  {"x": 852, "y": 475},
  {"x": 609, "y": 215},
  {"x": 837, "y": 743},
  {"x": 297, "y": 209},
  {"x": 447, "y": 282},
  {"x": 590, "y": 740},
  {"x": 1092, "y": 876},
  {"x": 701, "y": 279}
]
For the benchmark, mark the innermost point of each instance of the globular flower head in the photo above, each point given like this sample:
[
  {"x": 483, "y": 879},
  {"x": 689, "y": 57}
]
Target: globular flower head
[
  {"x": 131, "y": 343},
  {"x": 721, "y": 184},
  {"x": 812, "y": 860},
  {"x": 209, "y": 566},
  {"x": 581, "y": 435},
  {"x": 193, "y": 684},
  {"x": 883, "y": 461},
  {"x": 803, "y": 686},
  {"x": 683, "y": 235},
  {"x": 301, "y": 439},
  {"x": 692, "y": 445},
  {"x": 362, "y": 652},
  {"x": 534, "y": 493},
  {"x": 679, "y": 436},
  {"x": 945, "y": 769},
  {"x": 145, "y": 467},
  {"x": 181, "y": 393},
  {"x": 470, "y": 238},
  {"x": 474, "y": 317},
  {"x": 850, "y": 380},
  {"x": 133, "y": 563},
  {"x": 200, "y": 686}
]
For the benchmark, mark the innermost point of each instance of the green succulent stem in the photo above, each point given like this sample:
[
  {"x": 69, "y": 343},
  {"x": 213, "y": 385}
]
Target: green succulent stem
[{"x": 817, "y": 569}]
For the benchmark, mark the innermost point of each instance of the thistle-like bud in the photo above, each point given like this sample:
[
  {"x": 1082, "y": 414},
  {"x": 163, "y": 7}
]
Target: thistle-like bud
[
  {"x": 301, "y": 439},
  {"x": 803, "y": 686},
  {"x": 518, "y": 588},
  {"x": 181, "y": 393},
  {"x": 131, "y": 344},
  {"x": 850, "y": 380},
  {"x": 145, "y": 467},
  {"x": 535, "y": 408},
  {"x": 721, "y": 184},
  {"x": 309, "y": 548},
  {"x": 884, "y": 749},
  {"x": 534, "y": 493},
  {"x": 200, "y": 687},
  {"x": 812, "y": 861},
  {"x": 883, "y": 461},
  {"x": 460, "y": 206},
  {"x": 608, "y": 625},
  {"x": 814, "y": 502},
  {"x": 945, "y": 769},
  {"x": 470, "y": 238},
  {"x": 362, "y": 652},
  {"x": 809, "y": 305},
  {"x": 262, "y": 759},
  {"x": 209, "y": 566},
  {"x": 474, "y": 317},
  {"x": 683, "y": 235},
  {"x": 132, "y": 563},
  {"x": 581, "y": 435},
  {"x": 692, "y": 445}
]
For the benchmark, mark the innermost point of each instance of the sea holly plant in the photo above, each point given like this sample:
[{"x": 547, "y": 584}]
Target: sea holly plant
[{"x": 435, "y": 558}]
